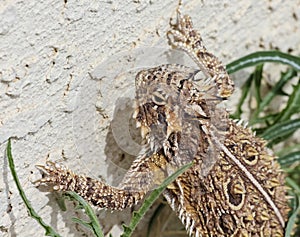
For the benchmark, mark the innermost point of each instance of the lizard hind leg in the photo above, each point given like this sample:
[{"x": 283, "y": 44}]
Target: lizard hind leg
[{"x": 183, "y": 36}]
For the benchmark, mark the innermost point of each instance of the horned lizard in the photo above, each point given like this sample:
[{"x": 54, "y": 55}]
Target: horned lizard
[{"x": 235, "y": 186}]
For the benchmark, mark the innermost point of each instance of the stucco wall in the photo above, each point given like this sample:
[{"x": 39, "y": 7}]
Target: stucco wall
[{"x": 61, "y": 65}]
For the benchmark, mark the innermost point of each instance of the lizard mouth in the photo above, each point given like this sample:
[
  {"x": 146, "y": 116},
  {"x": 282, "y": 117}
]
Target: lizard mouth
[
  {"x": 144, "y": 131},
  {"x": 140, "y": 123}
]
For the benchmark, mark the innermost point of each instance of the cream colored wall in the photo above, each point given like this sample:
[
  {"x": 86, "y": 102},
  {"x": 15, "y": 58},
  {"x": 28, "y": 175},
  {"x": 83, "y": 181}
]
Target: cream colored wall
[{"x": 61, "y": 74}]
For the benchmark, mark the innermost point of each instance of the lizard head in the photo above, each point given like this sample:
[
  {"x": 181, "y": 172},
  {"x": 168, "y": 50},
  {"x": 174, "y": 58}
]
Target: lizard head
[{"x": 169, "y": 106}]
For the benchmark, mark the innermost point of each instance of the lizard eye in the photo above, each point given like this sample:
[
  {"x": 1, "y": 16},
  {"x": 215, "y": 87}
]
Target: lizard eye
[{"x": 159, "y": 98}]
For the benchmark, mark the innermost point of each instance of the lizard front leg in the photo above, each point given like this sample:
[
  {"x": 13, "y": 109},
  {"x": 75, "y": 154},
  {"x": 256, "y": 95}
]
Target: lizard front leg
[
  {"x": 142, "y": 176},
  {"x": 94, "y": 191},
  {"x": 184, "y": 37}
]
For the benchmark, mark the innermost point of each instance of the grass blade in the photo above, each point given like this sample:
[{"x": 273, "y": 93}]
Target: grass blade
[
  {"x": 295, "y": 207},
  {"x": 245, "y": 90},
  {"x": 49, "y": 230},
  {"x": 293, "y": 105},
  {"x": 289, "y": 159},
  {"x": 257, "y": 75},
  {"x": 137, "y": 216},
  {"x": 285, "y": 77},
  {"x": 281, "y": 130},
  {"x": 263, "y": 57}
]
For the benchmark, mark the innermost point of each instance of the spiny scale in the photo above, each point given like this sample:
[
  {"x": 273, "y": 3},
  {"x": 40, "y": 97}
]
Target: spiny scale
[{"x": 234, "y": 188}]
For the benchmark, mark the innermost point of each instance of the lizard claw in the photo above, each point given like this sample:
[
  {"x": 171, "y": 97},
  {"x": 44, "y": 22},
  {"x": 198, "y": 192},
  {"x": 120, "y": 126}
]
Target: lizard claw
[{"x": 53, "y": 173}]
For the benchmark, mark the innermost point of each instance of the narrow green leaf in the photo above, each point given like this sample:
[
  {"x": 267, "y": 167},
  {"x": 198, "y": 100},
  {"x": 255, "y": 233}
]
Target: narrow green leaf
[
  {"x": 295, "y": 208},
  {"x": 245, "y": 90},
  {"x": 49, "y": 230},
  {"x": 288, "y": 149},
  {"x": 94, "y": 224},
  {"x": 257, "y": 75},
  {"x": 285, "y": 77},
  {"x": 82, "y": 222},
  {"x": 150, "y": 200},
  {"x": 263, "y": 57},
  {"x": 294, "y": 185},
  {"x": 292, "y": 220},
  {"x": 293, "y": 104},
  {"x": 281, "y": 129},
  {"x": 289, "y": 159},
  {"x": 268, "y": 119}
]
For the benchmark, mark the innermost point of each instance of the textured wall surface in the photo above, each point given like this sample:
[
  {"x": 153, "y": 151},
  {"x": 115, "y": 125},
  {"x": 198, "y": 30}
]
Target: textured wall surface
[{"x": 67, "y": 70}]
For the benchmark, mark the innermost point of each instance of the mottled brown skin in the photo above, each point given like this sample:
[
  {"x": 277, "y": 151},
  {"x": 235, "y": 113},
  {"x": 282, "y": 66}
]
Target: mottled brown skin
[
  {"x": 234, "y": 188},
  {"x": 225, "y": 203}
]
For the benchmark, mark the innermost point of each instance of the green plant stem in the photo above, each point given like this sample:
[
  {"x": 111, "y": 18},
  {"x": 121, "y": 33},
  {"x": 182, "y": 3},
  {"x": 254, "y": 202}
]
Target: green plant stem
[
  {"x": 94, "y": 223},
  {"x": 49, "y": 230}
]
